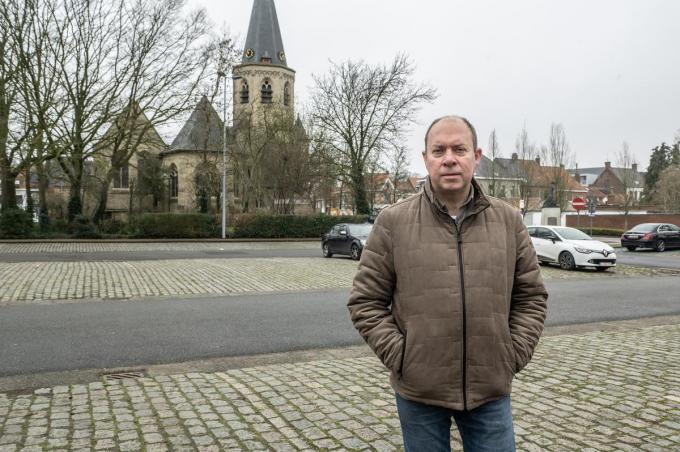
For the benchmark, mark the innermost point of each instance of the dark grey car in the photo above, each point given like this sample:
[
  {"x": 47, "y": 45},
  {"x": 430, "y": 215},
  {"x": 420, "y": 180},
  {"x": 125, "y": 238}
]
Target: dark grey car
[
  {"x": 346, "y": 238},
  {"x": 659, "y": 236}
]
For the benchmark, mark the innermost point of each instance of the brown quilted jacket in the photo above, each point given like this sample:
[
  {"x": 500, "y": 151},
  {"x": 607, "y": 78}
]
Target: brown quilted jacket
[{"x": 453, "y": 311}]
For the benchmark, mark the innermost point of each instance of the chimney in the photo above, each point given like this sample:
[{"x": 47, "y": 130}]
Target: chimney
[
  {"x": 514, "y": 156},
  {"x": 538, "y": 160},
  {"x": 634, "y": 167},
  {"x": 607, "y": 164}
]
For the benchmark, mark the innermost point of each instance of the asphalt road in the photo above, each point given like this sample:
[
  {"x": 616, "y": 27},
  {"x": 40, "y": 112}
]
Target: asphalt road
[
  {"x": 46, "y": 338},
  {"x": 649, "y": 258}
]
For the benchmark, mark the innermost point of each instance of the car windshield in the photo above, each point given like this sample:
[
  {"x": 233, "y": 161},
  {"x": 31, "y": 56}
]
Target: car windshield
[
  {"x": 645, "y": 227},
  {"x": 572, "y": 234},
  {"x": 360, "y": 230}
]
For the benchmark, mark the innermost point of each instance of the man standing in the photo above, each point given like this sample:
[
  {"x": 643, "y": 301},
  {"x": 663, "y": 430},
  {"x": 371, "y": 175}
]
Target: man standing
[{"x": 449, "y": 296}]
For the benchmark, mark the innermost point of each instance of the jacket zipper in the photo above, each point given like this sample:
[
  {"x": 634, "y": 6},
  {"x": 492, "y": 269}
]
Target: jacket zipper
[{"x": 459, "y": 240}]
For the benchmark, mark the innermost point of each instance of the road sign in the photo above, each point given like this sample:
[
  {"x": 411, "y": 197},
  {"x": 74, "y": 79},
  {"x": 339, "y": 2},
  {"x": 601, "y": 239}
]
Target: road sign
[{"x": 578, "y": 203}]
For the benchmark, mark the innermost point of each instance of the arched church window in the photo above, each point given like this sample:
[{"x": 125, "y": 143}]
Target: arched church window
[
  {"x": 245, "y": 92},
  {"x": 174, "y": 181},
  {"x": 286, "y": 94},
  {"x": 267, "y": 93}
]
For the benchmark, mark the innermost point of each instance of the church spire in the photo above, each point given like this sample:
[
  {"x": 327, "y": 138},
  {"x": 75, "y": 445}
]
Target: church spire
[{"x": 264, "y": 44}]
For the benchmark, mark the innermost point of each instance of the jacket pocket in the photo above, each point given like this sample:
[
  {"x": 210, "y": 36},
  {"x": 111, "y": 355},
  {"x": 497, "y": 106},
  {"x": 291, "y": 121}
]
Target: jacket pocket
[{"x": 400, "y": 372}]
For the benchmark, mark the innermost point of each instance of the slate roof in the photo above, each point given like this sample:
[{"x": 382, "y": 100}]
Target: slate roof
[
  {"x": 202, "y": 131},
  {"x": 264, "y": 35},
  {"x": 486, "y": 167}
]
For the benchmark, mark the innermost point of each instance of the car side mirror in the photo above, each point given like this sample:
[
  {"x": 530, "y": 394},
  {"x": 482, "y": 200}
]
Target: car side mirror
[{"x": 343, "y": 232}]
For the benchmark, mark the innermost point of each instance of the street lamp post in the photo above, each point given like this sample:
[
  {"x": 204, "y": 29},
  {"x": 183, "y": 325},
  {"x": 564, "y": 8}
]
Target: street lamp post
[
  {"x": 224, "y": 155},
  {"x": 225, "y": 204}
]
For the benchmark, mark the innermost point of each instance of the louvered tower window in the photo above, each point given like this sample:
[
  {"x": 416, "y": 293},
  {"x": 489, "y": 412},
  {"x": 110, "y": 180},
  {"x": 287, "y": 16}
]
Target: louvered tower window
[
  {"x": 245, "y": 93},
  {"x": 267, "y": 93}
]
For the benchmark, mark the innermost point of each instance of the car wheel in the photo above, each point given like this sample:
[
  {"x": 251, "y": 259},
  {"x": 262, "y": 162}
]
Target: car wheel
[
  {"x": 356, "y": 252},
  {"x": 326, "y": 251},
  {"x": 566, "y": 261},
  {"x": 631, "y": 248},
  {"x": 660, "y": 246}
]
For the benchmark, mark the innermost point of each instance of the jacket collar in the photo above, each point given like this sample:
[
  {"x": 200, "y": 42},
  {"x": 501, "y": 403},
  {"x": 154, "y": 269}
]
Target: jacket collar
[{"x": 479, "y": 200}]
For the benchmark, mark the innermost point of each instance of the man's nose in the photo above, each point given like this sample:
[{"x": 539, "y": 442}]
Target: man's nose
[{"x": 450, "y": 158}]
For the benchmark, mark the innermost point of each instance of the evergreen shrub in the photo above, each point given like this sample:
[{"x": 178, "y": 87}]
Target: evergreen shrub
[
  {"x": 15, "y": 223},
  {"x": 83, "y": 228}
]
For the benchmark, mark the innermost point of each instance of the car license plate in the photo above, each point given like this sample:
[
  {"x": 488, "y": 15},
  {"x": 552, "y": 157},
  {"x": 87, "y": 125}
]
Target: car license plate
[{"x": 605, "y": 263}]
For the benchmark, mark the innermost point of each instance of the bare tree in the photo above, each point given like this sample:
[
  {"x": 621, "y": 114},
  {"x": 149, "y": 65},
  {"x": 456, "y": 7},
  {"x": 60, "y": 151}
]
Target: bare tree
[
  {"x": 555, "y": 157},
  {"x": 24, "y": 73},
  {"x": 525, "y": 168},
  {"x": 625, "y": 163},
  {"x": 494, "y": 153},
  {"x": 289, "y": 164},
  {"x": 362, "y": 110},
  {"x": 110, "y": 61},
  {"x": 398, "y": 162}
]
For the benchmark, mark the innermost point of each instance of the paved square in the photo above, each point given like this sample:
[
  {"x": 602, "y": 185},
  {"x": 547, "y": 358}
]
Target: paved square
[{"x": 598, "y": 391}]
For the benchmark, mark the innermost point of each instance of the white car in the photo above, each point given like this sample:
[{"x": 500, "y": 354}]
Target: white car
[{"x": 570, "y": 248}]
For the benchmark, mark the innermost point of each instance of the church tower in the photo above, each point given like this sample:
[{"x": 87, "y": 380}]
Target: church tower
[{"x": 263, "y": 79}]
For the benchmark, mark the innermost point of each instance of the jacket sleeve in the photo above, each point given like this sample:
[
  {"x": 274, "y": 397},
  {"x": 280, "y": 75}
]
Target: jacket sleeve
[
  {"x": 371, "y": 297},
  {"x": 529, "y": 300}
]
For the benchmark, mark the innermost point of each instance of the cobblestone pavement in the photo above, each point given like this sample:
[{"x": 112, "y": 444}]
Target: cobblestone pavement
[
  {"x": 25, "y": 282},
  {"x": 606, "y": 391},
  {"x": 127, "y": 247}
]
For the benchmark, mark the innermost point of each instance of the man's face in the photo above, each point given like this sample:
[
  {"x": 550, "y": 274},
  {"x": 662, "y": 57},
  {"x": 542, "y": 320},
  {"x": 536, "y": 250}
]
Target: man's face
[{"x": 450, "y": 157}]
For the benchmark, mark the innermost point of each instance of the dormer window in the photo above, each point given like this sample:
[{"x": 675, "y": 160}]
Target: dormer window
[
  {"x": 286, "y": 94},
  {"x": 267, "y": 93},
  {"x": 245, "y": 93}
]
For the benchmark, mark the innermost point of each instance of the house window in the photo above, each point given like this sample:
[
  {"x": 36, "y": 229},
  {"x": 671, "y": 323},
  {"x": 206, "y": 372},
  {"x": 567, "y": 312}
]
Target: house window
[
  {"x": 286, "y": 94},
  {"x": 267, "y": 93},
  {"x": 174, "y": 181},
  {"x": 245, "y": 93},
  {"x": 121, "y": 178}
]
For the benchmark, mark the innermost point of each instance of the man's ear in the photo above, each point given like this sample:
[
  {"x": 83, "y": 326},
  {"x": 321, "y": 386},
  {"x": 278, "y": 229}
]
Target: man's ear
[
  {"x": 478, "y": 156},
  {"x": 424, "y": 156}
]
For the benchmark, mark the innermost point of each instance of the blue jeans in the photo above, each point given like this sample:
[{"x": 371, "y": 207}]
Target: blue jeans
[{"x": 428, "y": 428}]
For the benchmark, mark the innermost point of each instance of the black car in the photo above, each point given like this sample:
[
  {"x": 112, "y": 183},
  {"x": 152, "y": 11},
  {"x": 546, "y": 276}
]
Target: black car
[
  {"x": 345, "y": 238},
  {"x": 658, "y": 236}
]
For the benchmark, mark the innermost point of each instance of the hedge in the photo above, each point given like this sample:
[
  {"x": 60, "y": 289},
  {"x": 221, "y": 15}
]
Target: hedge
[
  {"x": 602, "y": 231},
  {"x": 257, "y": 226},
  {"x": 174, "y": 226},
  {"x": 15, "y": 223}
]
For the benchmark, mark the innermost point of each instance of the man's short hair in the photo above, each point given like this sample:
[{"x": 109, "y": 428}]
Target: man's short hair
[{"x": 462, "y": 118}]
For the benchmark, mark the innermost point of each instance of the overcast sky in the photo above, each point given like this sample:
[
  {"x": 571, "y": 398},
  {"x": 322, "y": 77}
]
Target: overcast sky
[{"x": 608, "y": 70}]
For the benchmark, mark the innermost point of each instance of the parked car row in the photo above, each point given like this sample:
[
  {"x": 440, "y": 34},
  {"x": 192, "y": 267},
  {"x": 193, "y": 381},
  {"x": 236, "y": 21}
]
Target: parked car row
[
  {"x": 570, "y": 248},
  {"x": 658, "y": 236}
]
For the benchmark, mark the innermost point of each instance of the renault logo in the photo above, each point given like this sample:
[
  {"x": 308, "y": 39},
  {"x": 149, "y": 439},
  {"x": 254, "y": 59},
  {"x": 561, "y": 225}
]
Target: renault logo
[{"x": 605, "y": 252}]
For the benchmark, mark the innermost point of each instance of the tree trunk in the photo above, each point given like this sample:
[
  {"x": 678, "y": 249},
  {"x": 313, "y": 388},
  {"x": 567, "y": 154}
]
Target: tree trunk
[
  {"x": 9, "y": 192},
  {"x": 43, "y": 182},
  {"x": 75, "y": 201},
  {"x": 101, "y": 205},
  {"x": 30, "y": 206},
  {"x": 360, "y": 199}
]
